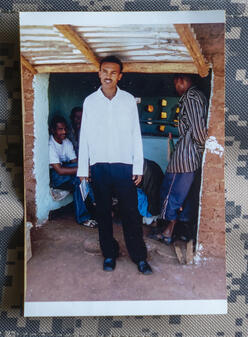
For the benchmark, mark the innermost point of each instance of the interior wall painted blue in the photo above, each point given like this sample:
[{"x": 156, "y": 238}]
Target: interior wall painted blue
[
  {"x": 69, "y": 90},
  {"x": 156, "y": 149}
]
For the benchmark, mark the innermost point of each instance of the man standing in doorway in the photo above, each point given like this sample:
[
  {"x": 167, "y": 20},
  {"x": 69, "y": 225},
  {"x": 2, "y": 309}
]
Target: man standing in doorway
[
  {"x": 178, "y": 191},
  {"x": 110, "y": 143}
]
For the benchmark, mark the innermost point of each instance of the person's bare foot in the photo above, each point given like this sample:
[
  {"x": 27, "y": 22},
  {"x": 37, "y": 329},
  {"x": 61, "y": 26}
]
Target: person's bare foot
[
  {"x": 166, "y": 235},
  {"x": 169, "y": 229}
]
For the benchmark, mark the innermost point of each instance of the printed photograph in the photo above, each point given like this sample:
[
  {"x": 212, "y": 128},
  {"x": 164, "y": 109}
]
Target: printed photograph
[{"x": 124, "y": 131}]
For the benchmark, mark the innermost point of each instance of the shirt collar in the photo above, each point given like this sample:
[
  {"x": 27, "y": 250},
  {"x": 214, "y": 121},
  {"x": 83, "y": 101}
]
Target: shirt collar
[
  {"x": 184, "y": 94},
  {"x": 101, "y": 94},
  {"x": 53, "y": 139}
]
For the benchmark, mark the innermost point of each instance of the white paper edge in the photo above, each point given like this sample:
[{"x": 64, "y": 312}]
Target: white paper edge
[
  {"x": 125, "y": 308},
  {"x": 121, "y": 18}
]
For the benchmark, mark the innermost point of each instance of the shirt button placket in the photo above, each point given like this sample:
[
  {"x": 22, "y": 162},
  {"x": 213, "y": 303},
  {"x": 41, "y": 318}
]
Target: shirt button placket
[{"x": 109, "y": 130}]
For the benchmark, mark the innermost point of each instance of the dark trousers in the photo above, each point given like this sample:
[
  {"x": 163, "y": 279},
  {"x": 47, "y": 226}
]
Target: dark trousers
[
  {"x": 109, "y": 179},
  {"x": 71, "y": 183},
  {"x": 180, "y": 190}
]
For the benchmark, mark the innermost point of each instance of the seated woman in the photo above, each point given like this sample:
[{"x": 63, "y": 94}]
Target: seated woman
[{"x": 63, "y": 163}]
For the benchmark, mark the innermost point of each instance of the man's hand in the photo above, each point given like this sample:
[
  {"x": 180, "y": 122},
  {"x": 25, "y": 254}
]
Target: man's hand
[
  {"x": 64, "y": 171},
  {"x": 137, "y": 179},
  {"x": 82, "y": 178}
]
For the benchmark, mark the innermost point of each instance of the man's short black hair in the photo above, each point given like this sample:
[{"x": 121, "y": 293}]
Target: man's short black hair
[
  {"x": 55, "y": 120},
  {"x": 189, "y": 77},
  {"x": 73, "y": 112},
  {"x": 112, "y": 59}
]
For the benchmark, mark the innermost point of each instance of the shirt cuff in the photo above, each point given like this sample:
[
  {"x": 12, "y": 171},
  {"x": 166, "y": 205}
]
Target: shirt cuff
[
  {"x": 83, "y": 172},
  {"x": 138, "y": 168}
]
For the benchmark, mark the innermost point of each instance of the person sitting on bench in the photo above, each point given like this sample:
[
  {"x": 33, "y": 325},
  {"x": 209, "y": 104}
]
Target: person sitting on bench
[{"x": 63, "y": 164}]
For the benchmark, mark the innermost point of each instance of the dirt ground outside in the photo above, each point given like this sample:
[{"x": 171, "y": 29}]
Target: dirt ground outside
[{"x": 67, "y": 266}]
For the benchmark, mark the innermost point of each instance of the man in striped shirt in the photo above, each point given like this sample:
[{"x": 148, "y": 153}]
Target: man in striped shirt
[{"x": 185, "y": 163}]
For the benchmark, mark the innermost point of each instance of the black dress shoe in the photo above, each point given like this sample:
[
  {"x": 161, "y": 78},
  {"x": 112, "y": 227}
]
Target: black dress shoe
[
  {"x": 144, "y": 268},
  {"x": 109, "y": 264}
]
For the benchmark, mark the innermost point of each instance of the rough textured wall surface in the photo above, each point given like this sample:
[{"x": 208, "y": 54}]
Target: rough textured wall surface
[
  {"x": 235, "y": 323},
  {"x": 28, "y": 129},
  {"x": 211, "y": 236},
  {"x": 212, "y": 226}
]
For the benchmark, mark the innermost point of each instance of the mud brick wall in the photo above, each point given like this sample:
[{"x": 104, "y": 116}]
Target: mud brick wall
[
  {"x": 212, "y": 222},
  {"x": 28, "y": 143}
]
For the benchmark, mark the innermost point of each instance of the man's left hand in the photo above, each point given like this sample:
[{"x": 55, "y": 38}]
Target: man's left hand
[{"x": 137, "y": 179}]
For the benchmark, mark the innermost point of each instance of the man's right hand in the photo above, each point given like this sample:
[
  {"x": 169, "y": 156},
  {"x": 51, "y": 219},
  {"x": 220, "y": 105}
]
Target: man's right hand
[{"x": 86, "y": 178}]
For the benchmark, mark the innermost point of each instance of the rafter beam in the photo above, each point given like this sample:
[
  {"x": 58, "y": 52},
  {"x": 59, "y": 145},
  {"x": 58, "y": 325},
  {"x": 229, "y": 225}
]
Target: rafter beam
[
  {"x": 78, "y": 42},
  {"x": 138, "y": 67},
  {"x": 28, "y": 65},
  {"x": 188, "y": 38}
]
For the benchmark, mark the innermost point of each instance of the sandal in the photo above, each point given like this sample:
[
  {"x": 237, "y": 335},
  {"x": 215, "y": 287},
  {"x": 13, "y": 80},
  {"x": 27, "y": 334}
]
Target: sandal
[
  {"x": 166, "y": 239},
  {"x": 159, "y": 235},
  {"x": 89, "y": 223},
  {"x": 158, "y": 228},
  {"x": 161, "y": 238}
]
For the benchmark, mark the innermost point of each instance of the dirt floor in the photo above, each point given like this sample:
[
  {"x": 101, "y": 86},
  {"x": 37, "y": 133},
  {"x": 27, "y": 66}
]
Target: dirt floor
[{"x": 67, "y": 266}]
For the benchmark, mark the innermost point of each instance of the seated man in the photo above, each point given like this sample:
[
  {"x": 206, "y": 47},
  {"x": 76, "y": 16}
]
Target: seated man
[{"x": 63, "y": 163}]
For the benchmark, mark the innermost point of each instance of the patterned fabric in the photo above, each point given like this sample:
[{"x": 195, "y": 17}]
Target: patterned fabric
[
  {"x": 192, "y": 132},
  {"x": 235, "y": 323}
]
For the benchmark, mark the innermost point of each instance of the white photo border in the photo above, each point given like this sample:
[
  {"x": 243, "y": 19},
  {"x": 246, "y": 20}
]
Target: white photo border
[{"x": 123, "y": 308}]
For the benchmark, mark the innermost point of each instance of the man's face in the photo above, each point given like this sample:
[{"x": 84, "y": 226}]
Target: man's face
[
  {"x": 181, "y": 85},
  {"x": 77, "y": 120},
  {"x": 109, "y": 75},
  {"x": 60, "y": 132}
]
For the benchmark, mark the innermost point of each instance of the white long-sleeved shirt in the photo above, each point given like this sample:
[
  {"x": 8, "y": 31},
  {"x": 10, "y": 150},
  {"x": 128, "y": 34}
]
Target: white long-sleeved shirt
[{"x": 110, "y": 132}]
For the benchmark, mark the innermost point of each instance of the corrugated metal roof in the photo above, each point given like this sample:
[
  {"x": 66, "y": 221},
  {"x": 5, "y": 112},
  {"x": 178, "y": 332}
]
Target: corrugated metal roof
[{"x": 43, "y": 44}]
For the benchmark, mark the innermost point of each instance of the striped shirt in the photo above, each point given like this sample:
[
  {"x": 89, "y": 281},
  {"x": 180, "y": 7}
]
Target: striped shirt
[{"x": 192, "y": 132}]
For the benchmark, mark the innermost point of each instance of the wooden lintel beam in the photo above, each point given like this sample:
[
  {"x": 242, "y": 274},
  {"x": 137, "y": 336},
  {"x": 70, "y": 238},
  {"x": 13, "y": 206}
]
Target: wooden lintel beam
[
  {"x": 159, "y": 67},
  {"x": 78, "y": 42},
  {"x": 28, "y": 65},
  {"x": 67, "y": 68},
  {"x": 138, "y": 67},
  {"x": 188, "y": 38}
]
